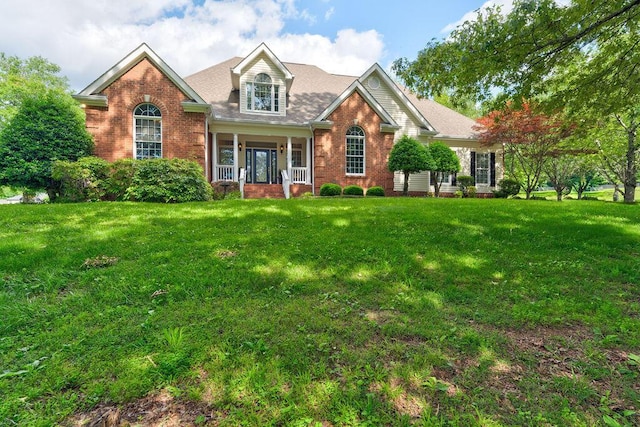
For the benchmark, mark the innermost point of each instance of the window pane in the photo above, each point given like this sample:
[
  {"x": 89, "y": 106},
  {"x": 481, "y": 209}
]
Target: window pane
[
  {"x": 225, "y": 156},
  {"x": 296, "y": 159},
  {"x": 482, "y": 168},
  {"x": 355, "y": 150}
]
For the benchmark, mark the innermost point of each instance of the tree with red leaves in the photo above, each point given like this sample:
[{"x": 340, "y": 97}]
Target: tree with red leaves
[{"x": 529, "y": 137}]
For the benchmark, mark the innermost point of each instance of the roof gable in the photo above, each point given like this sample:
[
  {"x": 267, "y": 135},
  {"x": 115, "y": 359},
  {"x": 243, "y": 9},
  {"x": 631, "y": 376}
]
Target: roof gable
[
  {"x": 263, "y": 49},
  {"x": 91, "y": 94},
  {"x": 404, "y": 100},
  {"x": 389, "y": 124}
]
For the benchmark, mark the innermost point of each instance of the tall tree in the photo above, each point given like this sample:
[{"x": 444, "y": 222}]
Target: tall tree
[
  {"x": 583, "y": 57},
  {"x": 445, "y": 162},
  {"x": 529, "y": 138},
  {"x": 409, "y": 156},
  {"x": 45, "y": 129},
  {"x": 25, "y": 78}
]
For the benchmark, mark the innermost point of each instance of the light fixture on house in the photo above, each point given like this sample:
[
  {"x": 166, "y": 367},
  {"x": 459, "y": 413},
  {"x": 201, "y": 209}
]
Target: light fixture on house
[
  {"x": 239, "y": 146},
  {"x": 281, "y": 148}
]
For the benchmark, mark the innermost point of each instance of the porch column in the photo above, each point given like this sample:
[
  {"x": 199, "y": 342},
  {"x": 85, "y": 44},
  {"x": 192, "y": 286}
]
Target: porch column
[
  {"x": 214, "y": 157},
  {"x": 308, "y": 161},
  {"x": 289, "y": 157},
  {"x": 235, "y": 157}
]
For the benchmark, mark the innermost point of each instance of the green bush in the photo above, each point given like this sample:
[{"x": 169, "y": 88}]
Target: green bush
[
  {"x": 464, "y": 182},
  {"x": 120, "y": 179},
  {"x": 330, "y": 189},
  {"x": 472, "y": 191},
  {"x": 375, "y": 191},
  {"x": 80, "y": 181},
  {"x": 353, "y": 190},
  {"x": 169, "y": 181},
  {"x": 508, "y": 187}
]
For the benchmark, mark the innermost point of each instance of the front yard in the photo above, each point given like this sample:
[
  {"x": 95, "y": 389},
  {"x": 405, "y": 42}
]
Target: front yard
[{"x": 321, "y": 312}]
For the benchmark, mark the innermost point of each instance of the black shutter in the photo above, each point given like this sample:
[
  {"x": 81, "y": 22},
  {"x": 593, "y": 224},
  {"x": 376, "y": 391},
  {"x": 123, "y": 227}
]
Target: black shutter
[
  {"x": 492, "y": 165},
  {"x": 454, "y": 179},
  {"x": 473, "y": 165}
]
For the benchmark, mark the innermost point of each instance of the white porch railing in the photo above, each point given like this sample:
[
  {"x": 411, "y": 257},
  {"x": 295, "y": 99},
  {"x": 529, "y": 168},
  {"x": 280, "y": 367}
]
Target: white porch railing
[
  {"x": 299, "y": 175},
  {"x": 286, "y": 184},
  {"x": 224, "y": 173},
  {"x": 241, "y": 180}
]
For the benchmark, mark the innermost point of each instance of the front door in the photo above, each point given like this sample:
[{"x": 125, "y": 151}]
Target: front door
[{"x": 261, "y": 166}]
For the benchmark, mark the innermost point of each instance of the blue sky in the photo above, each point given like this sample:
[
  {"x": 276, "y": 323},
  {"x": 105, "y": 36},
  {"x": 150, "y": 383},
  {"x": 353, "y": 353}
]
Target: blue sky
[{"x": 87, "y": 37}]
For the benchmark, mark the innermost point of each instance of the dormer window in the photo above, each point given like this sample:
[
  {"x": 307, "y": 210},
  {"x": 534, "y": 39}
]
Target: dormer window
[{"x": 262, "y": 94}]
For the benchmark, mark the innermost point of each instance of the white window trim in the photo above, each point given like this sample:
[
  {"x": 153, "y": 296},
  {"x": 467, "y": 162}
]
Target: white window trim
[
  {"x": 488, "y": 169},
  {"x": 364, "y": 151},
  {"x": 252, "y": 85},
  {"x": 154, "y": 118}
]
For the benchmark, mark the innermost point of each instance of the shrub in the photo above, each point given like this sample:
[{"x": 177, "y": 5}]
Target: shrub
[
  {"x": 472, "y": 191},
  {"x": 459, "y": 194},
  {"x": 120, "y": 179},
  {"x": 80, "y": 181},
  {"x": 375, "y": 191},
  {"x": 353, "y": 190},
  {"x": 464, "y": 182},
  {"x": 330, "y": 189},
  {"x": 508, "y": 187},
  {"x": 307, "y": 195},
  {"x": 169, "y": 181}
]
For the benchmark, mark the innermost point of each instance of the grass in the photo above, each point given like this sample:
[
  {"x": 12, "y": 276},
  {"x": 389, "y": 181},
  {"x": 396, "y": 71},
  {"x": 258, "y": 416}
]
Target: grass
[
  {"x": 323, "y": 312},
  {"x": 6, "y": 192}
]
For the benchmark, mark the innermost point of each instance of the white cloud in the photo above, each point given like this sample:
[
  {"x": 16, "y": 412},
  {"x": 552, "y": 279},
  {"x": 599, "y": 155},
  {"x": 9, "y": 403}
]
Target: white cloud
[
  {"x": 506, "y": 6},
  {"x": 329, "y": 13},
  {"x": 87, "y": 37}
]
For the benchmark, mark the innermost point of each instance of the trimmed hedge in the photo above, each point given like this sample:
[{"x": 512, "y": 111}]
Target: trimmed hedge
[
  {"x": 169, "y": 181},
  {"x": 375, "y": 191},
  {"x": 330, "y": 189},
  {"x": 353, "y": 190},
  {"x": 508, "y": 187}
]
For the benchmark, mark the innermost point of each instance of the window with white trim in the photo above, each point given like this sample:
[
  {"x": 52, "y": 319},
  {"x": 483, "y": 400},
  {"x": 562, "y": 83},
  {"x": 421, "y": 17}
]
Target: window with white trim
[
  {"x": 263, "y": 94},
  {"x": 148, "y": 131},
  {"x": 444, "y": 177},
  {"x": 355, "y": 151},
  {"x": 483, "y": 164}
]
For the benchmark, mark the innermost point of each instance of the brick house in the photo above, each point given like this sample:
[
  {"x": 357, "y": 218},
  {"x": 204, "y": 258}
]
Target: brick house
[{"x": 277, "y": 129}]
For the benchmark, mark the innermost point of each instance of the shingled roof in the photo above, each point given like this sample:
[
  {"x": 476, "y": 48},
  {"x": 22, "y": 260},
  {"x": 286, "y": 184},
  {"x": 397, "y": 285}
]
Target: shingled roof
[{"x": 313, "y": 90}]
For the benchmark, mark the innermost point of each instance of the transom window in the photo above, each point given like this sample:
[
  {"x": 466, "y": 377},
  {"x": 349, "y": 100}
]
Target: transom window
[
  {"x": 483, "y": 161},
  {"x": 262, "y": 94},
  {"x": 148, "y": 131},
  {"x": 355, "y": 151}
]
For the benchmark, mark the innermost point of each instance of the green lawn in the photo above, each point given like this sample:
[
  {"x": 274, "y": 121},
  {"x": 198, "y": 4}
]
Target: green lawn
[{"x": 322, "y": 312}]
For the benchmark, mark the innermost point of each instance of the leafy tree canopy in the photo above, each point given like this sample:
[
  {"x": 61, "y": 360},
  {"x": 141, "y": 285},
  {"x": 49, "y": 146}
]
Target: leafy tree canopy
[
  {"x": 46, "y": 128},
  {"x": 587, "y": 51},
  {"x": 20, "y": 79},
  {"x": 409, "y": 156}
]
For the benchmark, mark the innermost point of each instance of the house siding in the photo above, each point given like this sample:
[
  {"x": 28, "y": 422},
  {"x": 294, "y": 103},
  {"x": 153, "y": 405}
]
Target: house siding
[
  {"x": 263, "y": 64},
  {"x": 330, "y": 145},
  {"x": 183, "y": 134}
]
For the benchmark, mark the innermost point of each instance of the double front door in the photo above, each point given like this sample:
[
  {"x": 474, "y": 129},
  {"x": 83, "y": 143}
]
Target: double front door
[{"x": 262, "y": 166}]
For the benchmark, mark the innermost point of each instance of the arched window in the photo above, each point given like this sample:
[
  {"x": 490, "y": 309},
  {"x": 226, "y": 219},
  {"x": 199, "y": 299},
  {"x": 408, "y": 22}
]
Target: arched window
[
  {"x": 355, "y": 151},
  {"x": 148, "y": 137},
  {"x": 262, "y": 94}
]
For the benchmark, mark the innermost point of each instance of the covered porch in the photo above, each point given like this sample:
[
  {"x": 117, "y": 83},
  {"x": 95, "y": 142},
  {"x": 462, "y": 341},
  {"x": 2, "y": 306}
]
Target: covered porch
[{"x": 257, "y": 159}]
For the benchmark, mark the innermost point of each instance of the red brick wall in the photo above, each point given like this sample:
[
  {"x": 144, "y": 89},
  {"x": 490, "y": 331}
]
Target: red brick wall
[
  {"x": 330, "y": 147},
  {"x": 112, "y": 127}
]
